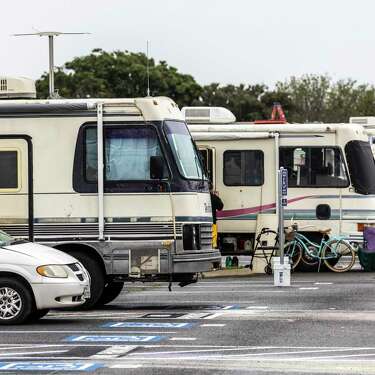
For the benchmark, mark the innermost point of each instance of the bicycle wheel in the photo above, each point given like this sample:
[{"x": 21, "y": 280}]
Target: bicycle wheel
[
  {"x": 338, "y": 255},
  {"x": 294, "y": 251}
]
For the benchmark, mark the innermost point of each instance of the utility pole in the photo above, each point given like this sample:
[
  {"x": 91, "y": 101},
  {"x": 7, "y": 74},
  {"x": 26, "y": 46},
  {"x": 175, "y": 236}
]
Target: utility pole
[{"x": 51, "y": 35}]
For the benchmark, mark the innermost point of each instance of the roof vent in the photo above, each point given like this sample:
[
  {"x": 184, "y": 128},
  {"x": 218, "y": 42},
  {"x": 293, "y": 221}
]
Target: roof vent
[
  {"x": 212, "y": 115},
  {"x": 370, "y": 120},
  {"x": 16, "y": 88}
]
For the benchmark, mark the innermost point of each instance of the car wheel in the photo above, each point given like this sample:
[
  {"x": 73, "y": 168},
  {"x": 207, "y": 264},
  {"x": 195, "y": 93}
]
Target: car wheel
[
  {"x": 37, "y": 314},
  {"x": 16, "y": 301},
  {"x": 111, "y": 291},
  {"x": 97, "y": 279}
]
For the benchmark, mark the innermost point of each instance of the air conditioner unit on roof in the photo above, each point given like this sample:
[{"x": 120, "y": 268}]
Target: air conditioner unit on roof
[
  {"x": 369, "y": 120},
  {"x": 212, "y": 115},
  {"x": 14, "y": 88}
]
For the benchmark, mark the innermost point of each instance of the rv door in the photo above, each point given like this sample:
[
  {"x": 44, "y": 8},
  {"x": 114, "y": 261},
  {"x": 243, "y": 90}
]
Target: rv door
[
  {"x": 208, "y": 157},
  {"x": 16, "y": 208}
]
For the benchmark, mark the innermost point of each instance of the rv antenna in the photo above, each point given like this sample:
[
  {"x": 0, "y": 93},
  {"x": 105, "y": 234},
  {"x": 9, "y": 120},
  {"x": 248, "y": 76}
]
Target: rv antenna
[
  {"x": 51, "y": 35},
  {"x": 148, "y": 71}
]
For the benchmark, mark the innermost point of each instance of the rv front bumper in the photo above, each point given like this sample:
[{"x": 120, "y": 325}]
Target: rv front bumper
[{"x": 195, "y": 262}]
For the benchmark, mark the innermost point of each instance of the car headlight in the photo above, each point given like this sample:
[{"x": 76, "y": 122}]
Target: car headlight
[{"x": 52, "y": 270}]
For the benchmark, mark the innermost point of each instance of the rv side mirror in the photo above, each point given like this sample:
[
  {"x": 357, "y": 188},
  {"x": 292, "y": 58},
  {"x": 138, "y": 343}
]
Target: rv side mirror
[{"x": 156, "y": 167}]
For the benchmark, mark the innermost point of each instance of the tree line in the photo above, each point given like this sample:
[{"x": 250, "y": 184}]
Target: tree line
[{"x": 310, "y": 98}]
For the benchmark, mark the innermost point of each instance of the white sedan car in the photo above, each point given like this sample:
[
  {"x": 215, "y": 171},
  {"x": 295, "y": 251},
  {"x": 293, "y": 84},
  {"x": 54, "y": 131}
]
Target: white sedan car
[{"x": 35, "y": 278}]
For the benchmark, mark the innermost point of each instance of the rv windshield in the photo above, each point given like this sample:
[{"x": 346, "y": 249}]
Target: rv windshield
[
  {"x": 5, "y": 239},
  {"x": 361, "y": 166},
  {"x": 183, "y": 149}
]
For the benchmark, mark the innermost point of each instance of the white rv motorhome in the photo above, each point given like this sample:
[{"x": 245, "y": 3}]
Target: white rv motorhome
[
  {"x": 330, "y": 168},
  {"x": 116, "y": 183}
]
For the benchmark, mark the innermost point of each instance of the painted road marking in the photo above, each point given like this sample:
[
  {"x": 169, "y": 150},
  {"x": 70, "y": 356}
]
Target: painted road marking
[
  {"x": 193, "y": 316},
  {"x": 49, "y": 366},
  {"x": 213, "y": 316},
  {"x": 114, "y": 352},
  {"x": 161, "y": 316},
  {"x": 309, "y": 288},
  {"x": 213, "y": 325},
  {"x": 182, "y": 339},
  {"x": 125, "y": 366},
  {"x": 114, "y": 338},
  {"x": 148, "y": 325},
  {"x": 257, "y": 308},
  {"x": 321, "y": 283}
]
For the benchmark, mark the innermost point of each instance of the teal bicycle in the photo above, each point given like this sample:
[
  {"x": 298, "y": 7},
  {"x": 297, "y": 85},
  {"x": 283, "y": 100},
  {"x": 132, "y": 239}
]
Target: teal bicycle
[{"x": 336, "y": 252}]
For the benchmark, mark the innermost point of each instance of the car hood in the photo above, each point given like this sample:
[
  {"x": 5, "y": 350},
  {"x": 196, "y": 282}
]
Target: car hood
[{"x": 40, "y": 253}]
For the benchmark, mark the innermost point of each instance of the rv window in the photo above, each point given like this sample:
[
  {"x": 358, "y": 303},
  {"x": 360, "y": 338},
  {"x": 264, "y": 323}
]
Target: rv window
[
  {"x": 8, "y": 170},
  {"x": 127, "y": 153},
  {"x": 314, "y": 166},
  {"x": 243, "y": 168}
]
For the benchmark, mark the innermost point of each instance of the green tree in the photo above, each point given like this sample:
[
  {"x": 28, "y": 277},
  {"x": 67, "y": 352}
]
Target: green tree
[
  {"x": 120, "y": 74},
  {"x": 242, "y": 100}
]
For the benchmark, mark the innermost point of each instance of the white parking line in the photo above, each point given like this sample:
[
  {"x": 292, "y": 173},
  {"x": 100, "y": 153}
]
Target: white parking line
[
  {"x": 212, "y": 325},
  {"x": 182, "y": 339},
  {"x": 213, "y": 316},
  {"x": 309, "y": 288}
]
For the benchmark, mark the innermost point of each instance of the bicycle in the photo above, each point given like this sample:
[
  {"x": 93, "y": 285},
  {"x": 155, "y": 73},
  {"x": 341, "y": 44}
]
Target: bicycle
[{"x": 337, "y": 254}]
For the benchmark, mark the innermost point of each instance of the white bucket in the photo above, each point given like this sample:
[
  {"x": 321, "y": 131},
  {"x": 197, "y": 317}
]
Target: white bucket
[{"x": 281, "y": 272}]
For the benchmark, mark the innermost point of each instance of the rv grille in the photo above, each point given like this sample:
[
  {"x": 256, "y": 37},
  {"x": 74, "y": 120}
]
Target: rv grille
[
  {"x": 206, "y": 236},
  {"x": 3, "y": 85}
]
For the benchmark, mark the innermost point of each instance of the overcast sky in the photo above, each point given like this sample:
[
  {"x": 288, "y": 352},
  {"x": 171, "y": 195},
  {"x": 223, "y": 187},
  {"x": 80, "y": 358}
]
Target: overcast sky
[{"x": 227, "y": 41}]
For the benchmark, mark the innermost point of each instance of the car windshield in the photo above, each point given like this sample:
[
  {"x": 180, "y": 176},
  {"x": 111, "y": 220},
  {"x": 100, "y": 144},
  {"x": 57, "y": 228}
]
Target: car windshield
[
  {"x": 5, "y": 239},
  {"x": 183, "y": 149}
]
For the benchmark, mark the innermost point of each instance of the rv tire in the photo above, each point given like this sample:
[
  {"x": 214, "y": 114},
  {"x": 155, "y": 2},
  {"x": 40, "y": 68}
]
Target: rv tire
[
  {"x": 97, "y": 279},
  {"x": 111, "y": 291}
]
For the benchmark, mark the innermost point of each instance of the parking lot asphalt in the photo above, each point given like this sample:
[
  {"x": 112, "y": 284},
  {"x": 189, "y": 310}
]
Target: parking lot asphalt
[{"x": 324, "y": 324}]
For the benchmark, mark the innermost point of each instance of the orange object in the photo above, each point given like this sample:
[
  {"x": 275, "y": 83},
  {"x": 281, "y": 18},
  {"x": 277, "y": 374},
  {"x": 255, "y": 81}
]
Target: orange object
[{"x": 277, "y": 116}]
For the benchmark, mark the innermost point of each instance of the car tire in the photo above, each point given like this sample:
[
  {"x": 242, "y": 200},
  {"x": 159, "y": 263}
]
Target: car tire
[
  {"x": 111, "y": 291},
  {"x": 14, "y": 293},
  {"x": 97, "y": 279},
  {"x": 37, "y": 314}
]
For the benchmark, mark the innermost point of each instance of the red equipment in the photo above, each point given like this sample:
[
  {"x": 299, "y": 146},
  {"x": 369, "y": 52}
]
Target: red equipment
[{"x": 277, "y": 111}]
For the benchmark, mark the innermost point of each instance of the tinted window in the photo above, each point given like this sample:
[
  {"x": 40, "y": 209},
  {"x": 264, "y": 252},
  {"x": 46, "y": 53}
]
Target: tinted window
[
  {"x": 361, "y": 166},
  {"x": 314, "y": 166},
  {"x": 127, "y": 153},
  {"x": 243, "y": 168},
  {"x": 8, "y": 170}
]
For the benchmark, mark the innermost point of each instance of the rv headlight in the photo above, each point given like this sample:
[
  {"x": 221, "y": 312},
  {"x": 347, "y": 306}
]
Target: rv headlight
[{"x": 52, "y": 270}]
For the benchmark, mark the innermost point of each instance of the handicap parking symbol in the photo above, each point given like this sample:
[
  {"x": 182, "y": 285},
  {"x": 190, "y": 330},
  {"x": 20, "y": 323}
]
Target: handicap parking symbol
[
  {"x": 147, "y": 325},
  {"x": 49, "y": 366},
  {"x": 114, "y": 338}
]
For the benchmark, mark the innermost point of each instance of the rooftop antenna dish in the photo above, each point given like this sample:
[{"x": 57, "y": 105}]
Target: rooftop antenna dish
[
  {"x": 148, "y": 70},
  {"x": 51, "y": 35}
]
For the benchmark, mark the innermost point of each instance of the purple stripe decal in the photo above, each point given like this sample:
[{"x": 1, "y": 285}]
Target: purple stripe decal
[{"x": 254, "y": 210}]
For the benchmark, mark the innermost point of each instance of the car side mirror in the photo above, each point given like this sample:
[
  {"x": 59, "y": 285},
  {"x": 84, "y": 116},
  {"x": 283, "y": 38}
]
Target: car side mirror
[{"x": 156, "y": 167}]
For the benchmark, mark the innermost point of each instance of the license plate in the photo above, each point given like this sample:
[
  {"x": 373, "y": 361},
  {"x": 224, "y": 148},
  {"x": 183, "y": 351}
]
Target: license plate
[{"x": 86, "y": 293}]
